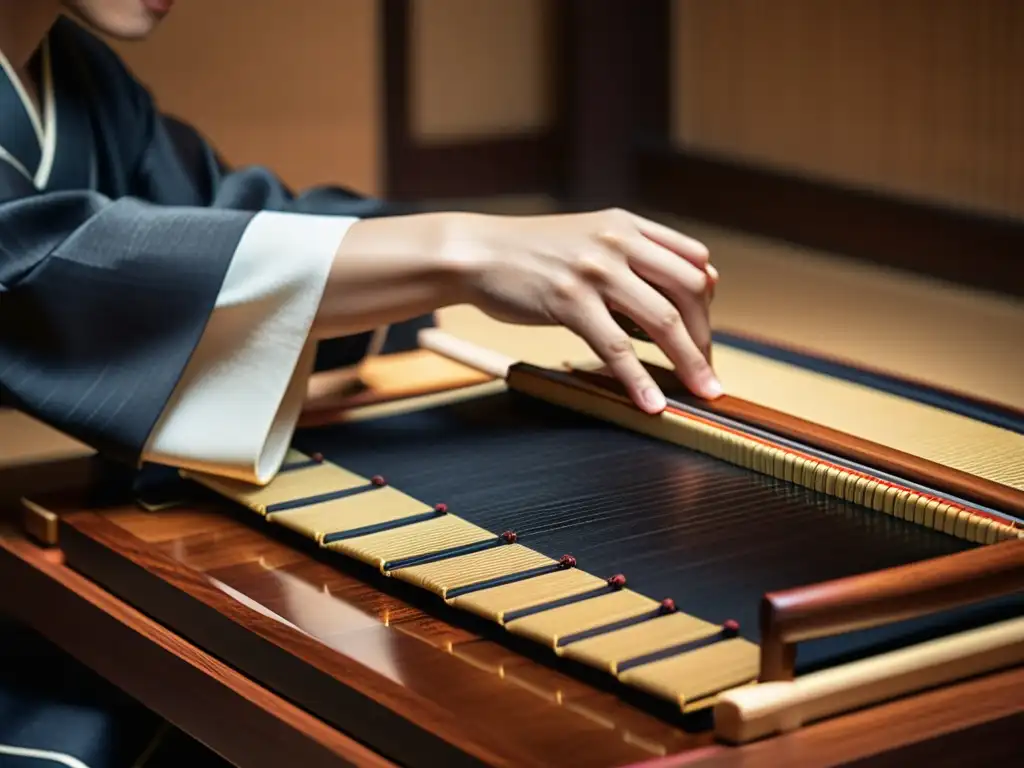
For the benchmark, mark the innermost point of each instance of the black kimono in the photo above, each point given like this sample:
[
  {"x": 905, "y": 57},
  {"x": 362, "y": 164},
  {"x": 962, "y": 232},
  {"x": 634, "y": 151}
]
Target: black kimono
[{"x": 153, "y": 305}]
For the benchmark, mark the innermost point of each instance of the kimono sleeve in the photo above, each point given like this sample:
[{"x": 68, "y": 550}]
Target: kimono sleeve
[
  {"x": 159, "y": 333},
  {"x": 251, "y": 372},
  {"x": 103, "y": 303},
  {"x": 236, "y": 405}
]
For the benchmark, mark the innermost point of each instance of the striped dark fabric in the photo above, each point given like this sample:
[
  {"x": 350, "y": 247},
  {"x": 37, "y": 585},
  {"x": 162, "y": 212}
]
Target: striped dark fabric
[{"x": 109, "y": 273}]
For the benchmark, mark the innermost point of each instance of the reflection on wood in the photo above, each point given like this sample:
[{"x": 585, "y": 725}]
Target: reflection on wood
[{"x": 448, "y": 679}]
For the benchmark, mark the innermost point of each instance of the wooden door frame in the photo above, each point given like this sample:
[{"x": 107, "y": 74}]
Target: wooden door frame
[
  {"x": 611, "y": 144},
  {"x": 517, "y": 163}
]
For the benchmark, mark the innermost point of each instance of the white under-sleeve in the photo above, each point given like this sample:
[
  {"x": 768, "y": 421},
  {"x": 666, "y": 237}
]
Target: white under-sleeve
[{"x": 236, "y": 406}]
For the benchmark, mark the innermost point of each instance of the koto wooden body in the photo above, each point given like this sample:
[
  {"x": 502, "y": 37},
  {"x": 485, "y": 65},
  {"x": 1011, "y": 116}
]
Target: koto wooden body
[
  {"x": 472, "y": 700},
  {"x": 358, "y": 670}
]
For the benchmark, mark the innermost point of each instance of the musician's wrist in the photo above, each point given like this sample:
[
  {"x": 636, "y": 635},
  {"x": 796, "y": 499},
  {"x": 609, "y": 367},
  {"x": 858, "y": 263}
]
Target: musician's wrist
[
  {"x": 463, "y": 254},
  {"x": 386, "y": 270}
]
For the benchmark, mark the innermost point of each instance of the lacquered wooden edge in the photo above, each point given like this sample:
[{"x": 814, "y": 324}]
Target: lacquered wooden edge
[
  {"x": 334, "y": 394},
  {"x": 878, "y": 730},
  {"x": 382, "y": 714},
  {"x": 882, "y": 458},
  {"x": 981, "y": 402},
  {"x": 179, "y": 681},
  {"x": 883, "y": 597}
]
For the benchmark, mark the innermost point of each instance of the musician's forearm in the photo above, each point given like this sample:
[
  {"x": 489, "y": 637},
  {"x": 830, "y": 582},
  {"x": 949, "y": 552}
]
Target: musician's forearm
[{"x": 388, "y": 270}]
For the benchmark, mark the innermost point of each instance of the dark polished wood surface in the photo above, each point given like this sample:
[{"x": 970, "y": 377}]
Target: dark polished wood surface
[
  {"x": 244, "y": 722},
  {"x": 399, "y": 679},
  {"x": 908, "y": 727},
  {"x": 422, "y": 689}
]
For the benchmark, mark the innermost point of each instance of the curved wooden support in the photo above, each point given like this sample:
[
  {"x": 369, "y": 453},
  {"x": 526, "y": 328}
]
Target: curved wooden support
[
  {"x": 755, "y": 711},
  {"x": 884, "y": 597}
]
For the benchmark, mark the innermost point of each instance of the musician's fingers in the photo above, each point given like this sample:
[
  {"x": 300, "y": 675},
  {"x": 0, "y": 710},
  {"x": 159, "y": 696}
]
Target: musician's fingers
[
  {"x": 684, "y": 285},
  {"x": 664, "y": 322},
  {"x": 674, "y": 274},
  {"x": 713, "y": 278},
  {"x": 589, "y": 317},
  {"x": 692, "y": 250}
]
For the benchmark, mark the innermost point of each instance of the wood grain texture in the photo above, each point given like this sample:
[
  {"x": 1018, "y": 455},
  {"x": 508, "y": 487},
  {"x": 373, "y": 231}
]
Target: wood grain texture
[
  {"x": 218, "y": 621},
  {"x": 528, "y": 713},
  {"x": 994, "y": 705},
  {"x": 598, "y": 99},
  {"x": 879, "y": 457},
  {"x": 516, "y": 164},
  {"x": 413, "y": 686},
  {"x": 193, "y": 690},
  {"x": 895, "y": 594},
  {"x": 991, "y": 743}
]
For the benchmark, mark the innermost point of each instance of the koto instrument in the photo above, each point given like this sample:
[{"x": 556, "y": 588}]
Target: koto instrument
[{"x": 722, "y": 558}]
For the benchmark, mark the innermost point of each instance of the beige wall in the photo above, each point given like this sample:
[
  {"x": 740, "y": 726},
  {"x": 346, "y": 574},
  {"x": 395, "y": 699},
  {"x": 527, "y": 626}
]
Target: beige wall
[
  {"x": 297, "y": 85},
  {"x": 479, "y": 68},
  {"x": 289, "y": 84},
  {"x": 913, "y": 97}
]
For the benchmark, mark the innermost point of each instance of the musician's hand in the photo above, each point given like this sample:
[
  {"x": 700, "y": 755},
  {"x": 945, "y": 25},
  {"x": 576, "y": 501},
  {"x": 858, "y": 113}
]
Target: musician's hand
[{"x": 571, "y": 270}]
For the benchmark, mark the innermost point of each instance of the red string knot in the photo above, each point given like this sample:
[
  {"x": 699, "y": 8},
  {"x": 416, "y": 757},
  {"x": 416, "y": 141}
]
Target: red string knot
[
  {"x": 441, "y": 509},
  {"x": 509, "y": 537},
  {"x": 567, "y": 561},
  {"x": 318, "y": 458},
  {"x": 731, "y": 628},
  {"x": 618, "y": 581},
  {"x": 378, "y": 480},
  {"x": 668, "y": 605}
]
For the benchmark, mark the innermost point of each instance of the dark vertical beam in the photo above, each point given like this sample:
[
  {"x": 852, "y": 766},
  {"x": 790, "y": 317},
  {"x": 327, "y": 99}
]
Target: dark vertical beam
[
  {"x": 395, "y": 27},
  {"x": 613, "y": 69},
  {"x": 595, "y": 119},
  {"x": 489, "y": 165},
  {"x": 652, "y": 72}
]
